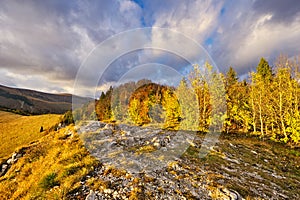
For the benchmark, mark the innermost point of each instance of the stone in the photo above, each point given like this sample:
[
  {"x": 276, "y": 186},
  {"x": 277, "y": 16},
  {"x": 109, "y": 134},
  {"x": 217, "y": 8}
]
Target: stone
[
  {"x": 254, "y": 152},
  {"x": 4, "y": 168},
  {"x": 115, "y": 194},
  {"x": 19, "y": 155},
  {"x": 107, "y": 191},
  {"x": 233, "y": 195},
  {"x": 112, "y": 144},
  {"x": 107, "y": 132},
  {"x": 9, "y": 161},
  {"x": 164, "y": 149},
  {"x": 129, "y": 141},
  {"x": 156, "y": 144},
  {"x": 109, "y": 126},
  {"x": 91, "y": 195}
]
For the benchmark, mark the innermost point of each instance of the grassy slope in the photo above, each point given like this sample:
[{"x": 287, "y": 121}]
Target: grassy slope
[
  {"x": 17, "y": 130},
  {"x": 50, "y": 168},
  {"x": 51, "y": 158}
]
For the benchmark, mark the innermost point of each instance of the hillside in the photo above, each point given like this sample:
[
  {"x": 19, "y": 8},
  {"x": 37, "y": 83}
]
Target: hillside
[
  {"x": 35, "y": 102},
  {"x": 58, "y": 166},
  {"x": 17, "y": 130}
]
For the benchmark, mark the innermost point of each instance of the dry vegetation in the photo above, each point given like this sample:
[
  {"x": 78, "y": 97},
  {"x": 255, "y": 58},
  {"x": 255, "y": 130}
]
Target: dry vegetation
[
  {"x": 55, "y": 163},
  {"x": 17, "y": 130},
  {"x": 50, "y": 169}
]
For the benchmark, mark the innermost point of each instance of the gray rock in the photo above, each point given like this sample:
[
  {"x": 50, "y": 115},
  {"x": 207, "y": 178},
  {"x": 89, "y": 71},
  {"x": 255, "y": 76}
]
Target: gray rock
[
  {"x": 109, "y": 126},
  {"x": 129, "y": 141},
  {"x": 4, "y": 168},
  {"x": 107, "y": 191},
  {"x": 14, "y": 155},
  {"x": 91, "y": 195},
  {"x": 233, "y": 195},
  {"x": 19, "y": 155},
  {"x": 164, "y": 148},
  {"x": 9, "y": 161},
  {"x": 107, "y": 132}
]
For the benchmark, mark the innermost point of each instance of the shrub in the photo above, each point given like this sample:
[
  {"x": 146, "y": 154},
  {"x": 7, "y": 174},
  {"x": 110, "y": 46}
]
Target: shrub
[
  {"x": 68, "y": 118},
  {"x": 49, "y": 181}
]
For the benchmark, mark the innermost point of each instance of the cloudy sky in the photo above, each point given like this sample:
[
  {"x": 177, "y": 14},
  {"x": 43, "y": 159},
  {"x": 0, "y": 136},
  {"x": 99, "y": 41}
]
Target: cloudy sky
[{"x": 44, "y": 43}]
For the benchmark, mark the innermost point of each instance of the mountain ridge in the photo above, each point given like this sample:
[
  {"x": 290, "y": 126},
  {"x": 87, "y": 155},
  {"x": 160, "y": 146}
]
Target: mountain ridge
[{"x": 27, "y": 101}]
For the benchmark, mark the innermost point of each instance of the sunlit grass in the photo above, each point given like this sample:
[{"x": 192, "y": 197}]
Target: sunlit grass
[
  {"x": 17, "y": 130},
  {"x": 50, "y": 169}
]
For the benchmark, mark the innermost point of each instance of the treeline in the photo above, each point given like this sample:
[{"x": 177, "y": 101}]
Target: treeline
[{"x": 266, "y": 104}]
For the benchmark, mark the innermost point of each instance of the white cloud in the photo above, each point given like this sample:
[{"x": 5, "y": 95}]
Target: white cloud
[
  {"x": 48, "y": 41},
  {"x": 86, "y": 44},
  {"x": 264, "y": 40},
  {"x": 195, "y": 19},
  {"x": 51, "y": 40}
]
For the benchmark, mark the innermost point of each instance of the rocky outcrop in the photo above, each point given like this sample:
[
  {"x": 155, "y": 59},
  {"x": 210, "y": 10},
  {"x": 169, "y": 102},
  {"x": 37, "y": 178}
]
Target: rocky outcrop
[
  {"x": 150, "y": 163},
  {"x": 6, "y": 164},
  {"x": 161, "y": 164},
  {"x": 134, "y": 148}
]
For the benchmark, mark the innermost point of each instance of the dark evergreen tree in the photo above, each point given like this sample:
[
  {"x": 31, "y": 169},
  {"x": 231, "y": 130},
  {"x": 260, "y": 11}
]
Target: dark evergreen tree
[{"x": 264, "y": 70}]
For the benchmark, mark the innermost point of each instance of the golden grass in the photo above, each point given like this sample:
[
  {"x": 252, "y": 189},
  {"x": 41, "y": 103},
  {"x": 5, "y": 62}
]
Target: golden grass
[
  {"x": 7, "y": 116},
  {"x": 17, "y": 130},
  {"x": 50, "y": 169}
]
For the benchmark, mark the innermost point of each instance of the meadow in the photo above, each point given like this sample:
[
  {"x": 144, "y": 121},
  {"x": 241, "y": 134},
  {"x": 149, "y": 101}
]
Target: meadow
[
  {"x": 52, "y": 157},
  {"x": 17, "y": 130}
]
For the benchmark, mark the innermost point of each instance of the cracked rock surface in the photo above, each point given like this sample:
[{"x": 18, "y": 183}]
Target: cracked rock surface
[{"x": 147, "y": 163}]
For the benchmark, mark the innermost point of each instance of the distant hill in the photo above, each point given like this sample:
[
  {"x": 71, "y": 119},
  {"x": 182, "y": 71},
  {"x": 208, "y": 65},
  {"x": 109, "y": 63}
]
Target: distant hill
[{"x": 26, "y": 101}]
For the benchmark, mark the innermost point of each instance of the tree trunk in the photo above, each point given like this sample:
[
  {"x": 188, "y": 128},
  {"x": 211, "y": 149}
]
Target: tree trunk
[
  {"x": 281, "y": 115},
  {"x": 253, "y": 110}
]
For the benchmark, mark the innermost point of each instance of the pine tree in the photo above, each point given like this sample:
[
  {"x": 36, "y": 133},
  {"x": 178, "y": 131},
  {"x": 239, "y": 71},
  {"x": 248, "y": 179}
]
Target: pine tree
[
  {"x": 231, "y": 86},
  {"x": 264, "y": 70},
  {"x": 231, "y": 78}
]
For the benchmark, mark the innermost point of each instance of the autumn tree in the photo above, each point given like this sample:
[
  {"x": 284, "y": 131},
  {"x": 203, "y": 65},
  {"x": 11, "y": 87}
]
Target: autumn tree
[
  {"x": 201, "y": 89},
  {"x": 286, "y": 99},
  {"x": 172, "y": 109},
  {"x": 260, "y": 96},
  {"x": 103, "y": 106},
  {"x": 189, "y": 109}
]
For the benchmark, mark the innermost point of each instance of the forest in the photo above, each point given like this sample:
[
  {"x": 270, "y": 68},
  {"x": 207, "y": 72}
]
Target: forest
[{"x": 265, "y": 104}]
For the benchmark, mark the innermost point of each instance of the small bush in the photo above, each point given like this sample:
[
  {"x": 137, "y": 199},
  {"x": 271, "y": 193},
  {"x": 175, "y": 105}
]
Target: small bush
[
  {"x": 68, "y": 118},
  {"x": 49, "y": 181},
  {"x": 72, "y": 169}
]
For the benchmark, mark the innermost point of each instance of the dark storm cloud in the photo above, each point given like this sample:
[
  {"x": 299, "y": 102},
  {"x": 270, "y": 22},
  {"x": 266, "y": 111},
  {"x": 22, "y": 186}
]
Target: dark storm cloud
[
  {"x": 137, "y": 58},
  {"x": 44, "y": 42},
  {"x": 284, "y": 11},
  {"x": 52, "y": 38},
  {"x": 249, "y": 30}
]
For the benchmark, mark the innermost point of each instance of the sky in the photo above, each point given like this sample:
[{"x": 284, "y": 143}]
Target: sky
[{"x": 43, "y": 44}]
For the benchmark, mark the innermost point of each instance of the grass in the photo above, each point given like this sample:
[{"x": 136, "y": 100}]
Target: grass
[
  {"x": 17, "y": 130},
  {"x": 250, "y": 156},
  {"x": 50, "y": 168},
  {"x": 49, "y": 181},
  {"x": 54, "y": 165}
]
